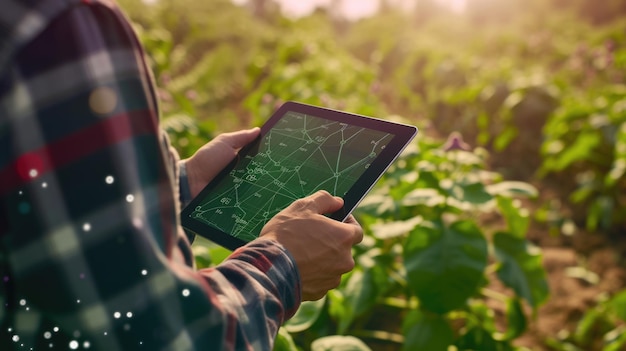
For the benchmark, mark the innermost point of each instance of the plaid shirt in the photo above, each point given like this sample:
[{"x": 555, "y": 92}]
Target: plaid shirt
[{"x": 92, "y": 254}]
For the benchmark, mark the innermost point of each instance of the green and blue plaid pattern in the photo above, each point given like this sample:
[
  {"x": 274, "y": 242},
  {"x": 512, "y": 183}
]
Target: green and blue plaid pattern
[{"x": 92, "y": 255}]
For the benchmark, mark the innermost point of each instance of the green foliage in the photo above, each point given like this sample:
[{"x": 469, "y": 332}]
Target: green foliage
[
  {"x": 540, "y": 92},
  {"x": 445, "y": 263},
  {"x": 424, "y": 211},
  {"x": 602, "y": 327}
]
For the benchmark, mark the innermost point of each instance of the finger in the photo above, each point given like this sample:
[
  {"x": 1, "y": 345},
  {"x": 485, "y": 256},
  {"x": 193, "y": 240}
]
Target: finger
[
  {"x": 323, "y": 202},
  {"x": 357, "y": 236},
  {"x": 239, "y": 139}
]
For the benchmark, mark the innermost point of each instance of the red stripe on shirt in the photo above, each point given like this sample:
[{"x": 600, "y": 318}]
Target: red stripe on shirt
[{"x": 109, "y": 131}]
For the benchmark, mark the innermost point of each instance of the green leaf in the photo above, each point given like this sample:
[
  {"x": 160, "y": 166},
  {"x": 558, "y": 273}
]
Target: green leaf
[
  {"x": 617, "y": 305},
  {"x": 445, "y": 264},
  {"x": 391, "y": 230},
  {"x": 512, "y": 188},
  {"x": 521, "y": 268},
  {"x": 600, "y": 213},
  {"x": 364, "y": 286},
  {"x": 360, "y": 295},
  {"x": 516, "y": 319},
  {"x": 581, "y": 149},
  {"x": 615, "y": 339},
  {"x": 517, "y": 219},
  {"x": 473, "y": 193},
  {"x": 424, "y": 331},
  {"x": 284, "y": 341},
  {"x": 218, "y": 253},
  {"x": 591, "y": 321},
  {"x": 504, "y": 139},
  {"x": 307, "y": 314},
  {"x": 478, "y": 338},
  {"x": 339, "y": 343}
]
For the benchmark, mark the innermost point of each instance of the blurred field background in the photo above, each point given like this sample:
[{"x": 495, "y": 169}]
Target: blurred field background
[{"x": 514, "y": 241}]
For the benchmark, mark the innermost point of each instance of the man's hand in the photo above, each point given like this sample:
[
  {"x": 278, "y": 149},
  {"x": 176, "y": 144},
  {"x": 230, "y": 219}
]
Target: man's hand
[
  {"x": 210, "y": 159},
  {"x": 321, "y": 247}
]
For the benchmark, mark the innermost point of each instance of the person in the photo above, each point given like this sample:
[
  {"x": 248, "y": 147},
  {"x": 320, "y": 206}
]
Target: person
[{"x": 92, "y": 254}]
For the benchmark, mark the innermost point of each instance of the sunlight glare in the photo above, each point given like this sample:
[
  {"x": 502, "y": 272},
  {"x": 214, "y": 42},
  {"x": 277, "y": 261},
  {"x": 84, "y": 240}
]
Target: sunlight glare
[
  {"x": 350, "y": 9},
  {"x": 355, "y": 9}
]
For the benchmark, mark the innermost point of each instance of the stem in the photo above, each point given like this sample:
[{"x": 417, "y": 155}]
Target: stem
[
  {"x": 494, "y": 294},
  {"x": 400, "y": 303}
]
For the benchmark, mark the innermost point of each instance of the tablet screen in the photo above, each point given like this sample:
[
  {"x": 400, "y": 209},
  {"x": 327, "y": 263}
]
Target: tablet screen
[{"x": 297, "y": 154}]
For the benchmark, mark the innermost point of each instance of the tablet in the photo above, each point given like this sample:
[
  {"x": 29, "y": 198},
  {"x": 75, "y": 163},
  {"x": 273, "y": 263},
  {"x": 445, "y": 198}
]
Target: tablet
[{"x": 301, "y": 149}]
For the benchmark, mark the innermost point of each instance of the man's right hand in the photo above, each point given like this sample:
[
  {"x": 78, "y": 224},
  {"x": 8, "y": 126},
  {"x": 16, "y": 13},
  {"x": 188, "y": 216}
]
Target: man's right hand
[{"x": 321, "y": 246}]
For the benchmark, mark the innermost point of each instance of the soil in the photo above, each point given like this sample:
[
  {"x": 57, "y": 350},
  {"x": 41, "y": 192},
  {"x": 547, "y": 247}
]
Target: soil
[{"x": 582, "y": 269}]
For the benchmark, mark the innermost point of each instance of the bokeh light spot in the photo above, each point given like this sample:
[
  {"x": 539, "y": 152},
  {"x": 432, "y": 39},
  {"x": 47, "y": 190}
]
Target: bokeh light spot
[
  {"x": 29, "y": 166},
  {"x": 103, "y": 100}
]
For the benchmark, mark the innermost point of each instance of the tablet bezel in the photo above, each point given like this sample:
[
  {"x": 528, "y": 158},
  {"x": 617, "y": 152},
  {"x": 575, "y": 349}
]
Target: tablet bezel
[{"x": 403, "y": 134}]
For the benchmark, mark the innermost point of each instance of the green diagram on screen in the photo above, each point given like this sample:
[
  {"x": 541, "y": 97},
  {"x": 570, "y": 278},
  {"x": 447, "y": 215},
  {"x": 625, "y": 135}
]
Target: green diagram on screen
[{"x": 300, "y": 155}]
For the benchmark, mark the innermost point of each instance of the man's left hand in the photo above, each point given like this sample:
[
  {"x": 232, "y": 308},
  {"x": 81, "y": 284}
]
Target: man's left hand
[{"x": 210, "y": 159}]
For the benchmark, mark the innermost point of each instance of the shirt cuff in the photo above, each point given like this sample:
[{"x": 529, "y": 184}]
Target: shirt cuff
[{"x": 271, "y": 258}]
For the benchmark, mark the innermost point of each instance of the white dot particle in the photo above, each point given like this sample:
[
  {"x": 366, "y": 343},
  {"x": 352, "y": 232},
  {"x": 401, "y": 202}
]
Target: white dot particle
[
  {"x": 15, "y": 338},
  {"x": 21, "y": 192},
  {"x": 86, "y": 344},
  {"x": 130, "y": 198},
  {"x": 129, "y": 314},
  {"x": 50, "y": 345},
  {"x": 33, "y": 173},
  {"x": 10, "y": 329},
  {"x": 86, "y": 226},
  {"x": 22, "y": 302},
  {"x": 109, "y": 179},
  {"x": 144, "y": 272},
  {"x": 44, "y": 185},
  {"x": 27, "y": 308},
  {"x": 56, "y": 329},
  {"x": 117, "y": 315},
  {"x": 138, "y": 223},
  {"x": 47, "y": 335},
  {"x": 185, "y": 292},
  {"x": 73, "y": 344},
  {"x": 105, "y": 333},
  {"x": 77, "y": 301}
]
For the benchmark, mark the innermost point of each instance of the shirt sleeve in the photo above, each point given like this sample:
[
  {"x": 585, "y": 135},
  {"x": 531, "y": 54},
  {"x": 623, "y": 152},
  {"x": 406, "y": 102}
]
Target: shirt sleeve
[{"x": 91, "y": 249}]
